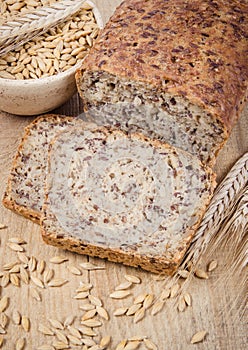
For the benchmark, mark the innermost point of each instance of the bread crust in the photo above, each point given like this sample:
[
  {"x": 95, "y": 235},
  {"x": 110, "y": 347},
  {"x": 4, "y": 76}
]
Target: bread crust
[
  {"x": 159, "y": 264},
  {"x": 8, "y": 201},
  {"x": 195, "y": 49}
]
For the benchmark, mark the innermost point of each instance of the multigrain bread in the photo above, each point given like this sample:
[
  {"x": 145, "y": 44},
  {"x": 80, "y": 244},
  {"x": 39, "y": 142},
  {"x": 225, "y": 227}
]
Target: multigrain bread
[
  {"x": 177, "y": 70},
  {"x": 123, "y": 197},
  {"x": 25, "y": 188}
]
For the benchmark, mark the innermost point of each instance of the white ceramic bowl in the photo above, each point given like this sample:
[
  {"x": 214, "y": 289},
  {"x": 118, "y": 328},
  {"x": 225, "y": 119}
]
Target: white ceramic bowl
[{"x": 37, "y": 96}]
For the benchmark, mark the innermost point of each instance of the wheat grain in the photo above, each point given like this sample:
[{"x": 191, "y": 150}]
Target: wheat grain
[
  {"x": 95, "y": 300},
  {"x": 37, "y": 281},
  {"x": 41, "y": 266},
  {"x": 1, "y": 340},
  {"x": 56, "y": 324},
  {"x": 84, "y": 287},
  {"x": 150, "y": 345},
  {"x": 74, "y": 270},
  {"x": 57, "y": 282},
  {"x": 89, "y": 314},
  {"x": 87, "y": 331},
  {"x": 121, "y": 345},
  {"x": 201, "y": 274},
  {"x": 212, "y": 265},
  {"x": 69, "y": 320},
  {"x": 132, "y": 279},
  {"x": 25, "y": 322},
  {"x": 174, "y": 290},
  {"x": 4, "y": 303},
  {"x": 181, "y": 305},
  {"x": 45, "y": 347},
  {"x": 3, "y": 320},
  {"x": 20, "y": 344},
  {"x": 16, "y": 317},
  {"x": 81, "y": 295},
  {"x": 158, "y": 306},
  {"x": 10, "y": 265},
  {"x": 59, "y": 345},
  {"x": 165, "y": 294},
  {"x": 198, "y": 337},
  {"x": 124, "y": 285},
  {"x": 89, "y": 266},
  {"x": 87, "y": 307},
  {"x": 5, "y": 280},
  {"x": 23, "y": 257},
  {"x": 105, "y": 341},
  {"x": 132, "y": 345},
  {"x": 102, "y": 312},
  {"x": 45, "y": 330},
  {"x": 120, "y": 311},
  {"x": 133, "y": 309},
  {"x": 48, "y": 275},
  {"x": 17, "y": 240},
  {"x": 148, "y": 301},
  {"x": 187, "y": 299},
  {"x": 14, "y": 246},
  {"x": 120, "y": 294},
  {"x": 32, "y": 263},
  {"x": 140, "y": 298},
  {"x": 24, "y": 275},
  {"x": 139, "y": 315},
  {"x": 14, "y": 279},
  {"x": 74, "y": 331},
  {"x": 58, "y": 259},
  {"x": 61, "y": 336},
  {"x": 15, "y": 269},
  {"x": 91, "y": 323},
  {"x": 2, "y": 330},
  {"x": 35, "y": 294},
  {"x": 74, "y": 340}
]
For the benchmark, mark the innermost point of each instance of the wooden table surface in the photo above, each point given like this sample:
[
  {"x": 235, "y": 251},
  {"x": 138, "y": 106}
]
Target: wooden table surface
[{"x": 169, "y": 329}]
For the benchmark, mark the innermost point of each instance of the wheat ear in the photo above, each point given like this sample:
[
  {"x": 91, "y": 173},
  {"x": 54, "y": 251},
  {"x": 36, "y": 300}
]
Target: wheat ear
[
  {"x": 221, "y": 205},
  {"x": 26, "y": 26}
]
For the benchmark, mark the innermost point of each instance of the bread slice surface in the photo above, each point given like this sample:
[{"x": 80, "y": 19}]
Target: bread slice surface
[
  {"x": 24, "y": 193},
  {"x": 176, "y": 70},
  {"x": 123, "y": 197}
]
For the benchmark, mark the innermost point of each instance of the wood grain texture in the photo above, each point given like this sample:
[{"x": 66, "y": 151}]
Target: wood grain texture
[{"x": 169, "y": 329}]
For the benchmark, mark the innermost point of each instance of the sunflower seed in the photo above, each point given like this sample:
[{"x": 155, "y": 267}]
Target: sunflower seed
[
  {"x": 120, "y": 294},
  {"x": 45, "y": 330},
  {"x": 25, "y": 323},
  {"x": 20, "y": 344},
  {"x": 198, "y": 337}
]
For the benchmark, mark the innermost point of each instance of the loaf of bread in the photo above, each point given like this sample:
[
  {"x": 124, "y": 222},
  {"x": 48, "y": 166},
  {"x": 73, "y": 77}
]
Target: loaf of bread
[
  {"x": 177, "y": 70},
  {"x": 25, "y": 187},
  {"x": 123, "y": 197}
]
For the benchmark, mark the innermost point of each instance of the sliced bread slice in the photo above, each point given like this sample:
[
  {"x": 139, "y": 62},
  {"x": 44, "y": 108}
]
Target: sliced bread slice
[
  {"x": 24, "y": 193},
  {"x": 123, "y": 197}
]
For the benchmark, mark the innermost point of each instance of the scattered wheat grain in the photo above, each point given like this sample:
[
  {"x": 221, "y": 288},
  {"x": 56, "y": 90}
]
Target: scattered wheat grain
[
  {"x": 139, "y": 315},
  {"x": 32, "y": 263},
  {"x": 3, "y": 320},
  {"x": 57, "y": 282},
  {"x": 150, "y": 345},
  {"x": 90, "y": 266},
  {"x": 25, "y": 322},
  {"x": 105, "y": 341},
  {"x": 58, "y": 259},
  {"x": 102, "y": 312},
  {"x": 133, "y": 345},
  {"x": 61, "y": 336},
  {"x": 24, "y": 275},
  {"x": 174, "y": 290},
  {"x": 45, "y": 347},
  {"x": 95, "y": 300},
  {"x": 14, "y": 279},
  {"x": 91, "y": 323},
  {"x": 20, "y": 344},
  {"x": 89, "y": 314},
  {"x": 120, "y": 311},
  {"x": 35, "y": 294},
  {"x": 133, "y": 309},
  {"x": 132, "y": 279},
  {"x": 41, "y": 266},
  {"x": 87, "y": 307},
  {"x": 84, "y": 287},
  {"x": 201, "y": 274},
  {"x": 140, "y": 298},
  {"x": 59, "y": 345},
  {"x": 120, "y": 294},
  {"x": 45, "y": 330},
  {"x": 56, "y": 324},
  {"x": 15, "y": 247},
  {"x": 121, "y": 345},
  {"x": 37, "y": 281},
  {"x": 74, "y": 270},
  {"x": 4, "y": 303},
  {"x": 16, "y": 317},
  {"x": 48, "y": 275},
  {"x": 81, "y": 295},
  {"x": 69, "y": 320},
  {"x": 187, "y": 299},
  {"x": 158, "y": 306},
  {"x": 5, "y": 280},
  {"x": 181, "y": 305},
  {"x": 198, "y": 337},
  {"x": 74, "y": 331},
  {"x": 212, "y": 265},
  {"x": 124, "y": 285},
  {"x": 148, "y": 301}
]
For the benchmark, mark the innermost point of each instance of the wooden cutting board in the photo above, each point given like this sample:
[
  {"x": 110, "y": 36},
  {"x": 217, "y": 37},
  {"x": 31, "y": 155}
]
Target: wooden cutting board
[{"x": 168, "y": 329}]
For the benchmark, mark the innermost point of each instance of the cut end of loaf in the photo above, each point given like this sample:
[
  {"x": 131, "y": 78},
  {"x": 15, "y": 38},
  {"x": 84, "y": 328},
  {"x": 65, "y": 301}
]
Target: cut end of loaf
[
  {"x": 123, "y": 197},
  {"x": 135, "y": 107}
]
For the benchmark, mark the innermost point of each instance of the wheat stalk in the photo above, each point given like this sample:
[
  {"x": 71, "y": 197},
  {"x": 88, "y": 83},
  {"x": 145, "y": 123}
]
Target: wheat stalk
[
  {"x": 25, "y": 27},
  {"x": 222, "y": 204}
]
